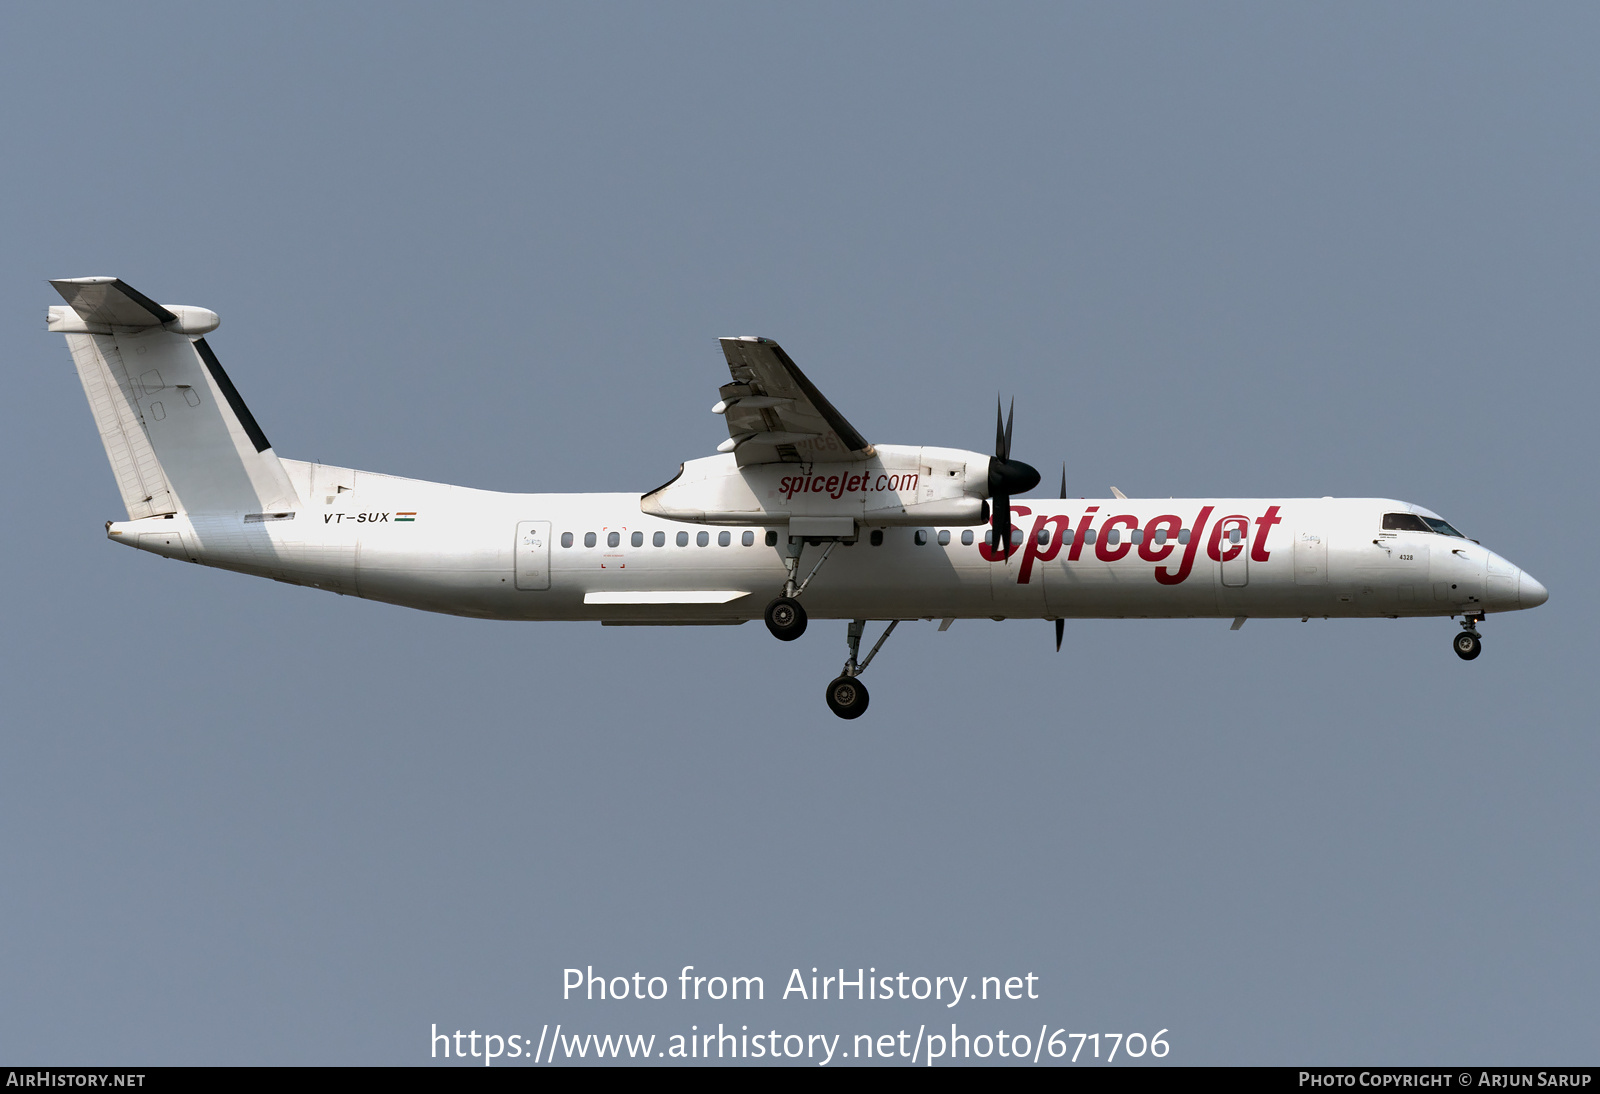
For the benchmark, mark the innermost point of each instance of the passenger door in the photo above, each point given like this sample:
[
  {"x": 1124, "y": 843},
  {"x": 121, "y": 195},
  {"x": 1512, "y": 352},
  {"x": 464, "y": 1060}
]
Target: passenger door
[
  {"x": 533, "y": 554},
  {"x": 1234, "y": 549},
  {"x": 1310, "y": 559}
]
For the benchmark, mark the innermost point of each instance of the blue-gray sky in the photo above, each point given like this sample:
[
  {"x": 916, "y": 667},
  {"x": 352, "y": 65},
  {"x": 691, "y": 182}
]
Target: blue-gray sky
[{"x": 1211, "y": 249}]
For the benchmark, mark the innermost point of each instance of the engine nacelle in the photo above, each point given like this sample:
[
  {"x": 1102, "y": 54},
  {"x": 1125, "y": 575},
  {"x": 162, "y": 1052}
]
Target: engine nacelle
[{"x": 898, "y": 484}]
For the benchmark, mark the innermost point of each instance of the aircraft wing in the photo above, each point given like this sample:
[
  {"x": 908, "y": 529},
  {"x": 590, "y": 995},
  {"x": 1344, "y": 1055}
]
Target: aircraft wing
[{"x": 776, "y": 415}]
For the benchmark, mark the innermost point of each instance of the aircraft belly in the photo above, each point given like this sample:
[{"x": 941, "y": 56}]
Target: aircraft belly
[{"x": 1099, "y": 590}]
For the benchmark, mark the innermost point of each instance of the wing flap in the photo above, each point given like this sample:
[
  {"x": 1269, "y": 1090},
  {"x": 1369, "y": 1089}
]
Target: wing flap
[{"x": 776, "y": 414}]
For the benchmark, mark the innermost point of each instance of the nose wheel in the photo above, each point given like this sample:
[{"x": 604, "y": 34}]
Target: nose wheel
[{"x": 1468, "y": 644}]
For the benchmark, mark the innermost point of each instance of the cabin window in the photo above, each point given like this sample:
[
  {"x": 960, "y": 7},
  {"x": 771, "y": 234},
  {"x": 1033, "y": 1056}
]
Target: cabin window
[
  {"x": 966, "y": 538},
  {"x": 724, "y": 538},
  {"x": 588, "y": 539},
  {"x": 1442, "y": 527},
  {"x": 877, "y": 537},
  {"x": 638, "y": 539},
  {"x": 683, "y": 539},
  {"x": 1113, "y": 535},
  {"x": 1044, "y": 537},
  {"x": 612, "y": 539},
  {"x": 1404, "y": 522},
  {"x": 1088, "y": 535},
  {"x": 944, "y": 537},
  {"x": 1183, "y": 535},
  {"x": 748, "y": 539},
  {"x": 1161, "y": 535},
  {"x": 920, "y": 536},
  {"x": 772, "y": 539},
  {"x": 659, "y": 539},
  {"x": 1137, "y": 535},
  {"x": 701, "y": 539},
  {"x": 1234, "y": 534},
  {"x": 566, "y": 539}
]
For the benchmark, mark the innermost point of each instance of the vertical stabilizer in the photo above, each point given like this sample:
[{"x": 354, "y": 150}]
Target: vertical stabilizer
[
  {"x": 116, "y": 414},
  {"x": 178, "y": 435}
]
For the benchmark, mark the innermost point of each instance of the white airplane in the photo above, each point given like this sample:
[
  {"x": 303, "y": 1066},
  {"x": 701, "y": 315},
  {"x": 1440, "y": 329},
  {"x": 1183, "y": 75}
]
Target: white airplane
[{"x": 796, "y": 515}]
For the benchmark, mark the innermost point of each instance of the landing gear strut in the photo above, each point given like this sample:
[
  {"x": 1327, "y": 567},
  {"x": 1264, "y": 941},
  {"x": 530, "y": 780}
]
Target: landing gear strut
[
  {"x": 847, "y": 695},
  {"x": 1468, "y": 644},
  {"x": 786, "y": 619}
]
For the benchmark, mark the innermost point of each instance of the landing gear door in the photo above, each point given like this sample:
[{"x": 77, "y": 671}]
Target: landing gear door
[{"x": 533, "y": 554}]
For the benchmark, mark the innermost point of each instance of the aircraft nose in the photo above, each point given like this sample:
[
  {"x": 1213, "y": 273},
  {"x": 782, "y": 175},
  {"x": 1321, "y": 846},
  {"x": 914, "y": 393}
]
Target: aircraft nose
[{"x": 1530, "y": 594}]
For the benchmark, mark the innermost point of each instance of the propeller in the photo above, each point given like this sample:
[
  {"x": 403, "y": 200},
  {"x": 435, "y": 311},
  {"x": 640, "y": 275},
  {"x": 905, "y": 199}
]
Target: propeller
[
  {"x": 1061, "y": 624},
  {"x": 1006, "y": 477}
]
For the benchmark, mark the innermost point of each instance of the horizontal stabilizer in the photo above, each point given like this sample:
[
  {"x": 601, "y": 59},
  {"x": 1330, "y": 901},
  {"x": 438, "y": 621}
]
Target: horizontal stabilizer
[
  {"x": 110, "y": 301},
  {"x": 104, "y": 305}
]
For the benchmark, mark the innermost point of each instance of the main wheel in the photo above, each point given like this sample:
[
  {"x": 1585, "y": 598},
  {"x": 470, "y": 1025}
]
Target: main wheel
[
  {"x": 786, "y": 619},
  {"x": 1468, "y": 645},
  {"x": 847, "y": 697}
]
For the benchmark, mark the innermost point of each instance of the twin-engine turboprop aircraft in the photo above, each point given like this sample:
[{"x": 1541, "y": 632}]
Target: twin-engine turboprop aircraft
[{"x": 796, "y": 515}]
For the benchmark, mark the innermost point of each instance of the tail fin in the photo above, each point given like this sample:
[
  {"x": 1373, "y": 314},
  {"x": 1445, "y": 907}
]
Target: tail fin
[{"x": 178, "y": 436}]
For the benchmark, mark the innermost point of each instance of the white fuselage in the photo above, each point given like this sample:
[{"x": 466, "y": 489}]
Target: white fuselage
[{"x": 504, "y": 556}]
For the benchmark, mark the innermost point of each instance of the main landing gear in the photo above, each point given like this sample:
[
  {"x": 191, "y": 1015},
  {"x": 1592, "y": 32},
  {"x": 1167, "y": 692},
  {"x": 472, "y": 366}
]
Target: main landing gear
[
  {"x": 786, "y": 619},
  {"x": 847, "y": 695},
  {"x": 1468, "y": 644}
]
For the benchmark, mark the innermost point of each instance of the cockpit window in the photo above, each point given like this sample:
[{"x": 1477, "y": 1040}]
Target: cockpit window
[
  {"x": 1442, "y": 527},
  {"x": 1410, "y": 522},
  {"x": 1404, "y": 522}
]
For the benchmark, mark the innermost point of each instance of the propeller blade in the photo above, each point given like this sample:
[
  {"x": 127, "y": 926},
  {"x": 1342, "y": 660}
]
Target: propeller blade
[
  {"x": 1063, "y": 498},
  {"x": 1007, "y": 477},
  {"x": 1061, "y": 629}
]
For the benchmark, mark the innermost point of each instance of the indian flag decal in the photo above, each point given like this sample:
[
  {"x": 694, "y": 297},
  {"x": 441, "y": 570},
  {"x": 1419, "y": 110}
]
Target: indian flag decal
[{"x": 398, "y": 517}]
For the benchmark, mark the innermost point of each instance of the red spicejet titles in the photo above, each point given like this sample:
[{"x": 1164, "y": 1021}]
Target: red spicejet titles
[
  {"x": 837, "y": 486},
  {"x": 1149, "y": 549}
]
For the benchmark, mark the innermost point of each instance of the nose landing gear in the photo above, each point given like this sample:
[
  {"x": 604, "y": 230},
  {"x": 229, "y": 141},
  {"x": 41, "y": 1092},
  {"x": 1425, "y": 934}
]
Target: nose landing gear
[
  {"x": 847, "y": 695},
  {"x": 1468, "y": 644}
]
